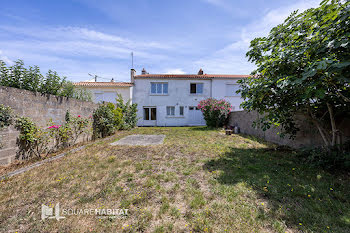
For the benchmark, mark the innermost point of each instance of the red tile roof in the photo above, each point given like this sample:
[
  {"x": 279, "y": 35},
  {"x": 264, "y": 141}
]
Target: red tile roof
[
  {"x": 103, "y": 84},
  {"x": 190, "y": 76}
]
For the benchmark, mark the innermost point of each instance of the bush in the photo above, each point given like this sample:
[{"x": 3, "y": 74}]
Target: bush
[
  {"x": 104, "y": 121},
  {"x": 129, "y": 113},
  {"x": 32, "y": 141},
  {"x": 82, "y": 94},
  {"x": 215, "y": 111},
  {"x": 336, "y": 159},
  {"x": 6, "y": 116},
  {"x": 117, "y": 115},
  {"x": 31, "y": 79},
  {"x": 67, "y": 134},
  {"x": 79, "y": 126},
  {"x": 61, "y": 134}
]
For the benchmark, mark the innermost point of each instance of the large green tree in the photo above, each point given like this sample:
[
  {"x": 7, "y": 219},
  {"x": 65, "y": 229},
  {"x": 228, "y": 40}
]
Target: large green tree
[{"x": 303, "y": 67}]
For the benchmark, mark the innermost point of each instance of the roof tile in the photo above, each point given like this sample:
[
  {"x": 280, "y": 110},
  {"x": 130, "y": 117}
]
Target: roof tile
[
  {"x": 194, "y": 76},
  {"x": 104, "y": 84}
]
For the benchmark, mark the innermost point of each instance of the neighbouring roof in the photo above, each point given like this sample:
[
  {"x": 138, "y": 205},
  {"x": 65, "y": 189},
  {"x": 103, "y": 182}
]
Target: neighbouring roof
[
  {"x": 190, "y": 76},
  {"x": 103, "y": 84}
]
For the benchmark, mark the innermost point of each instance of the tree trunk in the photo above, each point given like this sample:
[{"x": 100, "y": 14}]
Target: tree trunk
[
  {"x": 319, "y": 127},
  {"x": 334, "y": 128}
]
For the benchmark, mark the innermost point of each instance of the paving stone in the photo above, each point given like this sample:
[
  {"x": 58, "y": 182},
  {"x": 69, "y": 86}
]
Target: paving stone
[{"x": 140, "y": 140}]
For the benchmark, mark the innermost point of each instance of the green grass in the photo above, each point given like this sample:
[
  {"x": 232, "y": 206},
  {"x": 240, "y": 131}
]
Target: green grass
[{"x": 199, "y": 180}]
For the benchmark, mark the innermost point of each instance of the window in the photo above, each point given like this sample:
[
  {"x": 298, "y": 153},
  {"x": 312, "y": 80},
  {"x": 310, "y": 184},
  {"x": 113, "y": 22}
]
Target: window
[
  {"x": 159, "y": 88},
  {"x": 181, "y": 110},
  {"x": 170, "y": 111},
  {"x": 196, "y": 88},
  {"x": 150, "y": 114},
  {"x": 231, "y": 89}
]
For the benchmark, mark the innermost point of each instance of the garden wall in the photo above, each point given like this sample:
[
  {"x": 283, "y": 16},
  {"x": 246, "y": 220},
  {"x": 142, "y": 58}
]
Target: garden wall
[
  {"x": 308, "y": 135},
  {"x": 40, "y": 108}
]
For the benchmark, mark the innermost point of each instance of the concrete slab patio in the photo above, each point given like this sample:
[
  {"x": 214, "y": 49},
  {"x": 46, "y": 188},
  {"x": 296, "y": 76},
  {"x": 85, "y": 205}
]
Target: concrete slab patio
[{"x": 140, "y": 140}]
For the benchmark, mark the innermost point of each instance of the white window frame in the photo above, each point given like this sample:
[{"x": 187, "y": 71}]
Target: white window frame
[
  {"x": 197, "y": 89},
  {"x": 149, "y": 113},
  {"x": 162, "y": 88},
  {"x": 170, "y": 110},
  {"x": 183, "y": 110}
]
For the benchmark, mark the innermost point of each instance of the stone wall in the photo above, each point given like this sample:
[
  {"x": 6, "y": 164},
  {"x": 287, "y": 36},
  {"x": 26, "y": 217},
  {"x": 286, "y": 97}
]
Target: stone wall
[
  {"x": 40, "y": 108},
  {"x": 308, "y": 135}
]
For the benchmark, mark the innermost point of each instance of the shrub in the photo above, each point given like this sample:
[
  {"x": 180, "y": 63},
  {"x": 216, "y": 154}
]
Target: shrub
[
  {"x": 215, "y": 111},
  {"x": 61, "y": 134},
  {"x": 6, "y": 116},
  {"x": 67, "y": 134},
  {"x": 32, "y": 141},
  {"x": 82, "y": 94},
  {"x": 129, "y": 112},
  {"x": 103, "y": 121},
  {"x": 31, "y": 79},
  {"x": 117, "y": 115},
  {"x": 332, "y": 160},
  {"x": 79, "y": 126}
]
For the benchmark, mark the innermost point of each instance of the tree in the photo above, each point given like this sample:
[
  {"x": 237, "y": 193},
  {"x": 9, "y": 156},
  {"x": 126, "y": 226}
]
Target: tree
[{"x": 303, "y": 66}]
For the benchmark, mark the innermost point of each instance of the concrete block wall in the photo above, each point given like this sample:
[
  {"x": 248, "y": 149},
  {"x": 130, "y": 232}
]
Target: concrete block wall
[
  {"x": 40, "y": 108},
  {"x": 308, "y": 135}
]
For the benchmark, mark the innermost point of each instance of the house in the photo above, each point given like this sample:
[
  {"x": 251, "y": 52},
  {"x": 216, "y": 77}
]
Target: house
[
  {"x": 172, "y": 99},
  {"x": 107, "y": 91}
]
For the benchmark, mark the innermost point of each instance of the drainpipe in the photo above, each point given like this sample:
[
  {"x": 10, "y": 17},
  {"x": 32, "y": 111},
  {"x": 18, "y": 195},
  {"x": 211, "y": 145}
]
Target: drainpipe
[{"x": 211, "y": 88}]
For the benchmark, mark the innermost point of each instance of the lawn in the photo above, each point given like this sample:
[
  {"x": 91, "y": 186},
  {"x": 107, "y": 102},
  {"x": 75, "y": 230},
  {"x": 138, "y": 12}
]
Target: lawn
[{"x": 199, "y": 180}]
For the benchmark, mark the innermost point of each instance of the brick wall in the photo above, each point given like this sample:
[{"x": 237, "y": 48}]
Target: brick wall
[
  {"x": 308, "y": 135},
  {"x": 40, "y": 108}
]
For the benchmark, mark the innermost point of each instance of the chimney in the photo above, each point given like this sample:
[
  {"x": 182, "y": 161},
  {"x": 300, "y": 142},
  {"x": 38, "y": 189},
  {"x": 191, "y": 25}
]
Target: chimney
[
  {"x": 144, "y": 71},
  {"x": 200, "y": 72},
  {"x": 132, "y": 75}
]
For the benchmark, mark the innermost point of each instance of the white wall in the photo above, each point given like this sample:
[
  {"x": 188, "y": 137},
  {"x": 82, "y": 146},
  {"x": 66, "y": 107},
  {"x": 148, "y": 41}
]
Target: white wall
[
  {"x": 219, "y": 92},
  {"x": 110, "y": 93},
  {"x": 178, "y": 95}
]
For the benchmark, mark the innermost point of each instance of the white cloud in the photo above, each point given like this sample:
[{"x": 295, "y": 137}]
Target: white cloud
[
  {"x": 231, "y": 58},
  {"x": 72, "y": 50},
  {"x": 175, "y": 71},
  {"x": 5, "y": 59}
]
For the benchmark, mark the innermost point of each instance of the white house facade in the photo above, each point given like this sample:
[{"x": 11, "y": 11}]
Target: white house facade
[
  {"x": 171, "y": 100},
  {"x": 108, "y": 91}
]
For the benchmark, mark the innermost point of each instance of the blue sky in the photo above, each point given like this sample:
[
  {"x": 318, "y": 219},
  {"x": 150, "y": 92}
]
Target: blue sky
[{"x": 78, "y": 37}]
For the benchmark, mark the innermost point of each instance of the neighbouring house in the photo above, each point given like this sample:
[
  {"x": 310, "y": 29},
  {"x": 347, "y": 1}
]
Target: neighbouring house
[
  {"x": 107, "y": 91},
  {"x": 172, "y": 99}
]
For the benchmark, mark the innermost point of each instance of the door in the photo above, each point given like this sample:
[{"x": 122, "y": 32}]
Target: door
[
  {"x": 149, "y": 116},
  {"x": 195, "y": 116}
]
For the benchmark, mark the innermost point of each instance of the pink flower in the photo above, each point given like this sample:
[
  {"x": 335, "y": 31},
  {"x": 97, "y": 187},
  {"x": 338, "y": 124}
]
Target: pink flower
[
  {"x": 78, "y": 115},
  {"x": 54, "y": 126}
]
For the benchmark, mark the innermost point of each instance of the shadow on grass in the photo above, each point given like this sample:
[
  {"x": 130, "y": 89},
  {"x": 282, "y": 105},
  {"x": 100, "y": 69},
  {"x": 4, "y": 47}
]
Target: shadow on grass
[
  {"x": 204, "y": 128},
  {"x": 304, "y": 198}
]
